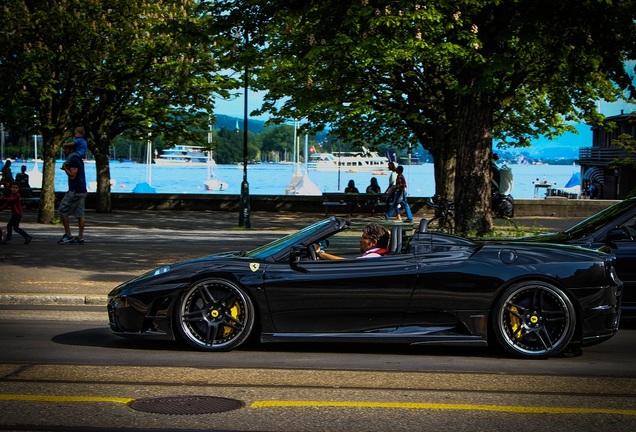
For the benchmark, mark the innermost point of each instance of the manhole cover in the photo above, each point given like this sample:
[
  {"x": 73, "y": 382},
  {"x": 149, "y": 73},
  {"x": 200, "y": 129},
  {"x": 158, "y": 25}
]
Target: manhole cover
[{"x": 185, "y": 405}]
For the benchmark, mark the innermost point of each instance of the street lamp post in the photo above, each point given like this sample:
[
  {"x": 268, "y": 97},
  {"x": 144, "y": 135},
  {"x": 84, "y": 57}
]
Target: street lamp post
[
  {"x": 244, "y": 215},
  {"x": 339, "y": 162},
  {"x": 2, "y": 142}
]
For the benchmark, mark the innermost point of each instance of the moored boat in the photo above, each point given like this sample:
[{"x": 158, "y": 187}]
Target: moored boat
[
  {"x": 183, "y": 155},
  {"x": 364, "y": 160}
]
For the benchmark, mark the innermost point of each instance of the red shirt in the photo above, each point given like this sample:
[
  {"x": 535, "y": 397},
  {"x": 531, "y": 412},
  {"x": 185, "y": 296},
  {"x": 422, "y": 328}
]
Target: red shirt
[
  {"x": 400, "y": 182},
  {"x": 15, "y": 202}
]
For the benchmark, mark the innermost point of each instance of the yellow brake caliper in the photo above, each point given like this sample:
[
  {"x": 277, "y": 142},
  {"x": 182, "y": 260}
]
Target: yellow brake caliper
[
  {"x": 515, "y": 323},
  {"x": 235, "y": 311}
]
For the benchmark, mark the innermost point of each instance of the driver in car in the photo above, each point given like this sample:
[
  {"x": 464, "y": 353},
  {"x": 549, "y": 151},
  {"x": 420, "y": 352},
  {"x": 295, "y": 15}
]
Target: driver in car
[{"x": 373, "y": 243}]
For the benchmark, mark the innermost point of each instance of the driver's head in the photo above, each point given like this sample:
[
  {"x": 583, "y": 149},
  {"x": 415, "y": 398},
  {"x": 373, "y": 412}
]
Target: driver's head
[{"x": 374, "y": 236}]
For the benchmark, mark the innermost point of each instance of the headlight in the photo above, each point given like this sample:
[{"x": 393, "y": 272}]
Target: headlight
[
  {"x": 164, "y": 269},
  {"x": 139, "y": 279}
]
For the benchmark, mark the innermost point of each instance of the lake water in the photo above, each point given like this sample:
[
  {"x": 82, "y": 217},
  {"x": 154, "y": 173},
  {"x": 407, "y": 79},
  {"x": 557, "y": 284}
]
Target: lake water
[{"x": 272, "y": 179}]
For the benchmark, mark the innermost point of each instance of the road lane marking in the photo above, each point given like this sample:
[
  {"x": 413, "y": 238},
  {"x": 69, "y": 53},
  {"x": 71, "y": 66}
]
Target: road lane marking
[
  {"x": 515, "y": 409},
  {"x": 518, "y": 409},
  {"x": 45, "y": 398}
]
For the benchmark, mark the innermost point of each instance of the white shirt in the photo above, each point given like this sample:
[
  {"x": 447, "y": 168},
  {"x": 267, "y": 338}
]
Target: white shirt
[{"x": 371, "y": 253}]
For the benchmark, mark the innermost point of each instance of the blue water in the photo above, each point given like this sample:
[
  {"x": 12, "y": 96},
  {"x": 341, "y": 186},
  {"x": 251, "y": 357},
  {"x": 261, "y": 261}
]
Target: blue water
[{"x": 272, "y": 179}]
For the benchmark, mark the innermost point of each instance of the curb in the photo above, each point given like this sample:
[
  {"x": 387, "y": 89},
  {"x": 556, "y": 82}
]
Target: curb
[{"x": 53, "y": 299}]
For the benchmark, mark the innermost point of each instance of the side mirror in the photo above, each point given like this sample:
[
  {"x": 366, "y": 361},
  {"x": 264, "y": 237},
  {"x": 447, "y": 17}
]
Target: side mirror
[{"x": 298, "y": 252}]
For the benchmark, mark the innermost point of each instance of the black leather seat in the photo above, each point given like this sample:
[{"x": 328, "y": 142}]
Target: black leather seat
[
  {"x": 422, "y": 226},
  {"x": 395, "y": 244}
]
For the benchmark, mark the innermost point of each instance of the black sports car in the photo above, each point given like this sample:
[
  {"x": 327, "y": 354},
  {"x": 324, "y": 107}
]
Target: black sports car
[
  {"x": 612, "y": 230},
  {"x": 534, "y": 300}
]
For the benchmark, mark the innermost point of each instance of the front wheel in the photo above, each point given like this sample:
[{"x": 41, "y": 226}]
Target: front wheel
[
  {"x": 215, "y": 315},
  {"x": 534, "y": 320}
]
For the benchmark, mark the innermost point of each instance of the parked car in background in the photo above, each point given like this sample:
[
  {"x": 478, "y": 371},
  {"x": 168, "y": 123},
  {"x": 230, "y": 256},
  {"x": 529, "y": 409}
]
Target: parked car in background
[
  {"x": 534, "y": 300},
  {"x": 612, "y": 230}
]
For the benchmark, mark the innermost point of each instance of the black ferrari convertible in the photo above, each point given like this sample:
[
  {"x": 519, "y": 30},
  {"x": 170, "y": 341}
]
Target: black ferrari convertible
[{"x": 534, "y": 300}]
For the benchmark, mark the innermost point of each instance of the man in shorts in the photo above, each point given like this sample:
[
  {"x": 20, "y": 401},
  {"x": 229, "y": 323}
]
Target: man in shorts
[{"x": 73, "y": 202}]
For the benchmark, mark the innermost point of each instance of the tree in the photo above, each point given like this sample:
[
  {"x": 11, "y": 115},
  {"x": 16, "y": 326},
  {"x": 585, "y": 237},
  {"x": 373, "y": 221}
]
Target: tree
[
  {"x": 279, "y": 139},
  {"x": 457, "y": 76},
  {"x": 111, "y": 66},
  {"x": 230, "y": 146}
]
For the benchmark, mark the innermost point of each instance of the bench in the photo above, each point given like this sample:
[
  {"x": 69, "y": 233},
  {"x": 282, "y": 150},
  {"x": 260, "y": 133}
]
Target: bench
[
  {"x": 353, "y": 201},
  {"x": 31, "y": 203},
  {"x": 30, "y": 197}
]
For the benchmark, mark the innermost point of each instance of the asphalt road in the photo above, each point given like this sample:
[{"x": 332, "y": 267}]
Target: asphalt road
[{"x": 80, "y": 335}]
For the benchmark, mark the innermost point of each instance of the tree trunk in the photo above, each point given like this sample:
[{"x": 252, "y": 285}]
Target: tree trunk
[
  {"x": 52, "y": 143},
  {"x": 472, "y": 137},
  {"x": 101, "y": 151},
  {"x": 444, "y": 167}
]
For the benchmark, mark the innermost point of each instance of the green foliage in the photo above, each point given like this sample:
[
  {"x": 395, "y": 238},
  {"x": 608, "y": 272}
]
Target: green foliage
[
  {"x": 278, "y": 139},
  {"x": 115, "y": 66},
  {"x": 627, "y": 143},
  {"x": 455, "y": 76},
  {"x": 229, "y": 147}
]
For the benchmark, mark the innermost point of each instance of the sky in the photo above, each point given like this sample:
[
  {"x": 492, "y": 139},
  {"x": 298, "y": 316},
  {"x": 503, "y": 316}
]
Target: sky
[{"x": 235, "y": 107}]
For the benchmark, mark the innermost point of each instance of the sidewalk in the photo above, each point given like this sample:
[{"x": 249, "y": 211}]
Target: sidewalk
[{"x": 124, "y": 244}]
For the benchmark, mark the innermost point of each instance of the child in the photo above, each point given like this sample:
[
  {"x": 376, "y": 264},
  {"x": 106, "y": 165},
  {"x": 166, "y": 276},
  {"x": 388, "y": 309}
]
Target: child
[
  {"x": 81, "y": 147},
  {"x": 15, "y": 203}
]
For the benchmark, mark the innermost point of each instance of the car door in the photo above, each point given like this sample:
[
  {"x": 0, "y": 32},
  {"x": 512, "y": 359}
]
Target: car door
[
  {"x": 447, "y": 284},
  {"x": 339, "y": 296}
]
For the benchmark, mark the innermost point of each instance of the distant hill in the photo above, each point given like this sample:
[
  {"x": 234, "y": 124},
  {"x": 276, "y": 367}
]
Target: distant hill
[
  {"x": 565, "y": 148},
  {"x": 228, "y": 122}
]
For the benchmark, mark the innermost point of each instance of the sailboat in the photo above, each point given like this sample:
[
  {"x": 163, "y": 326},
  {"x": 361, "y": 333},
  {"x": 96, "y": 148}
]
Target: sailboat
[
  {"x": 212, "y": 183},
  {"x": 301, "y": 184},
  {"x": 145, "y": 187},
  {"x": 35, "y": 176}
]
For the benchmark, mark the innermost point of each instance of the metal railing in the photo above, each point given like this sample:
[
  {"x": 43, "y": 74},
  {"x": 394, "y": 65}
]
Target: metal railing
[{"x": 601, "y": 155}]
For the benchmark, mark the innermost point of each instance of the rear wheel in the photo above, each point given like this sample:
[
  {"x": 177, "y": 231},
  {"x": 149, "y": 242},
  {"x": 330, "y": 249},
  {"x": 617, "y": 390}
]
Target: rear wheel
[
  {"x": 215, "y": 315},
  {"x": 534, "y": 320}
]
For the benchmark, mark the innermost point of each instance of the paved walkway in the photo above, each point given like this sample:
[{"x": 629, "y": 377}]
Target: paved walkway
[{"x": 124, "y": 244}]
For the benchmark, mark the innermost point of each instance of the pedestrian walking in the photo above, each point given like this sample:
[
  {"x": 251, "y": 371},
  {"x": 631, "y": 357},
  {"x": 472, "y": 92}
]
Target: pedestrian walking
[
  {"x": 400, "y": 197},
  {"x": 15, "y": 203},
  {"x": 73, "y": 203}
]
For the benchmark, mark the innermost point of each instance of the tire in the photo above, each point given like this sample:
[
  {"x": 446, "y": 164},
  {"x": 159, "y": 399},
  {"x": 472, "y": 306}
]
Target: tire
[
  {"x": 534, "y": 320},
  {"x": 215, "y": 315},
  {"x": 439, "y": 224}
]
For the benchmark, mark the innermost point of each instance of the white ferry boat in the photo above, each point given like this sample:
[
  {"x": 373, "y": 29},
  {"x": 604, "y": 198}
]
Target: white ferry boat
[
  {"x": 363, "y": 160},
  {"x": 184, "y": 155}
]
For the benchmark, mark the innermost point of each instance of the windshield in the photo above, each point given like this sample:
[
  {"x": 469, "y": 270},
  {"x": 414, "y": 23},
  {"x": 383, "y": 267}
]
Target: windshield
[
  {"x": 288, "y": 241},
  {"x": 594, "y": 222}
]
